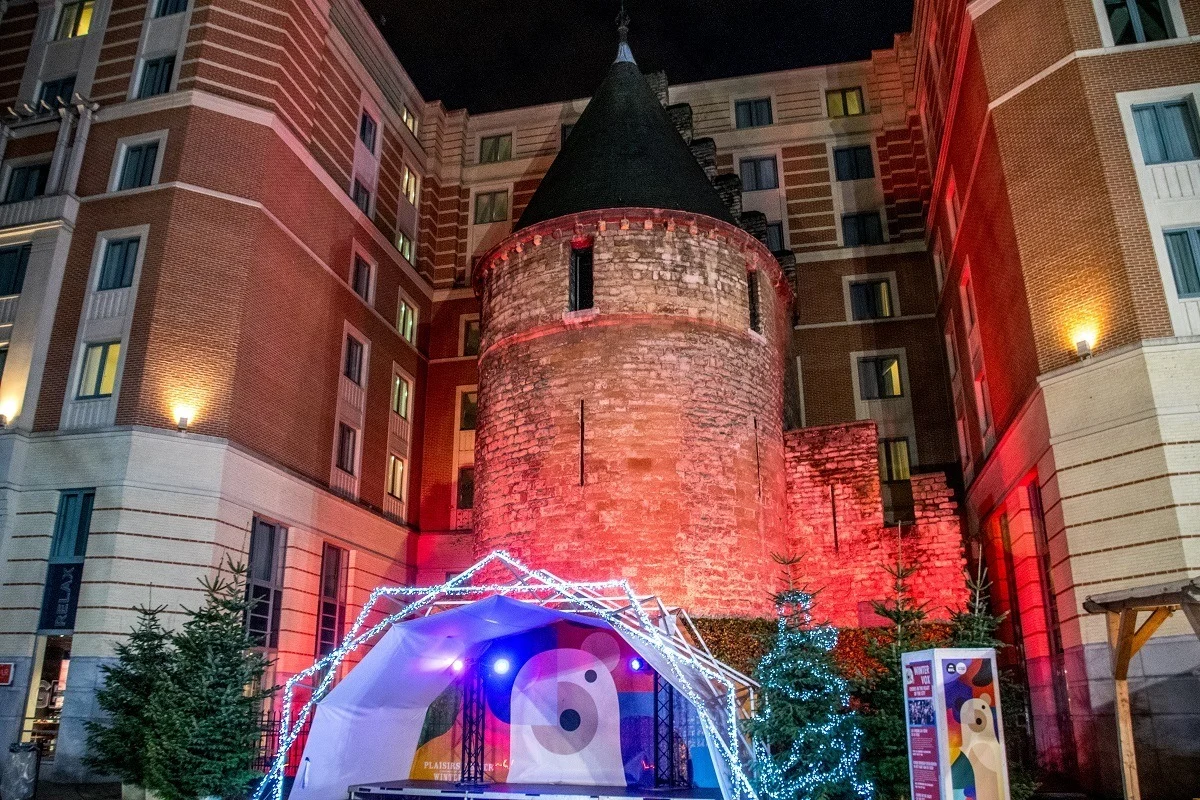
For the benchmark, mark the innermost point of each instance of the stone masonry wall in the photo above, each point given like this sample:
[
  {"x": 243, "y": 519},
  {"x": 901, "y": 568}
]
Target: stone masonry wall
[{"x": 835, "y": 522}]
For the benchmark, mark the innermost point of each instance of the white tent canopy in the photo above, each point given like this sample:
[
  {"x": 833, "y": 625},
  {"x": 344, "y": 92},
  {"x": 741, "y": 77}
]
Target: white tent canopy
[{"x": 366, "y": 729}]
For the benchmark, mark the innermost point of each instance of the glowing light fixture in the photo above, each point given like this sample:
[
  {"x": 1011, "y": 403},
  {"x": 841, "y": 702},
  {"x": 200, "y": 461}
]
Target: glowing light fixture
[
  {"x": 1085, "y": 340},
  {"x": 458, "y": 665},
  {"x": 501, "y": 666},
  {"x": 184, "y": 415},
  {"x": 635, "y": 664}
]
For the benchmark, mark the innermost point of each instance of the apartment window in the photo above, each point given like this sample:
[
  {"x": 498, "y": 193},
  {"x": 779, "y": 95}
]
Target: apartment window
[
  {"x": 75, "y": 19},
  {"x": 120, "y": 259},
  {"x": 98, "y": 376},
  {"x": 401, "y": 391},
  {"x": 845, "y": 102},
  {"x": 967, "y": 296},
  {"x": 759, "y": 173},
  {"x": 27, "y": 182},
  {"x": 1135, "y": 21},
  {"x": 983, "y": 404},
  {"x": 395, "y": 476},
  {"x": 1167, "y": 131},
  {"x": 862, "y": 229},
  {"x": 352, "y": 367},
  {"x": 404, "y": 244},
  {"x": 347, "y": 445},
  {"x": 951, "y": 349},
  {"x": 879, "y": 378},
  {"x": 68, "y": 547},
  {"x": 853, "y": 163},
  {"x": 264, "y": 582},
  {"x": 752, "y": 113},
  {"x": 3, "y": 361},
  {"x": 495, "y": 148},
  {"x": 406, "y": 320},
  {"x": 471, "y": 332},
  {"x": 752, "y": 301},
  {"x": 466, "y": 487},
  {"x": 367, "y": 130},
  {"x": 13, "y": 262},
  {"x": 137, "y": 166},
  {"x": 331, "y": 614},
  {"x": 52, "y": 91},
  {"x": 871, "y": 299},
  {"x": 580, "y": 283},
  {"x": 166, "y": 8},
  {"x": 409, "y": 119},
  {"x": 361, "y": 196},
  {"x": 468, "y": 411},
  {"x": 775, "y": 236},
  {"x": 361, "y": 279},
  {"x": 408, "y": 185},
  {"x": 564, "y": 132},
  {"x": 1183, "y": 250},
  {"x": 893, "y": 460},
  {"x": 156, "y": 76},
  {"x": 491, "y": 207}
]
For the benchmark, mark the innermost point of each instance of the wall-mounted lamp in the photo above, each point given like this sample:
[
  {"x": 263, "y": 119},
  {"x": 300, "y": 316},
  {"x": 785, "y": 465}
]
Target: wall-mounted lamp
[
  {"x": 1084, "y": 339},
  {"x": 183, "y": 416},
  {"x": 1083, "y": 349}
]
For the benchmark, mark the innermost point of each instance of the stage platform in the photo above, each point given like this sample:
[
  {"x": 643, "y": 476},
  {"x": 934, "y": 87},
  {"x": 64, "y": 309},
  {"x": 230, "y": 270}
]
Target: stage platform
[{"x": 393, "y": 790}]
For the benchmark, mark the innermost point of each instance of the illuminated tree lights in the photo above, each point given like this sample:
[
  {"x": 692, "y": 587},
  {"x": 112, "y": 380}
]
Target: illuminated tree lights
[{"x": 807, "y": 743}]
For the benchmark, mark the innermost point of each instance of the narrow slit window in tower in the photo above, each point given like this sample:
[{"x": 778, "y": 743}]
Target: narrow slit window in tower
[
  {"x": 580, "y": 288},
  {"x": 752, "y": 298}
]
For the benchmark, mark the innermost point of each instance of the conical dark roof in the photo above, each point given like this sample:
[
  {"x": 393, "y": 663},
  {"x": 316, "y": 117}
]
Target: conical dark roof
[{"x": 624, "y": 152}]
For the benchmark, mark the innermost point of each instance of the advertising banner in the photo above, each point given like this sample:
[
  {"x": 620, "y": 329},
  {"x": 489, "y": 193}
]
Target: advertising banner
[{"x": 955, "y": 733}]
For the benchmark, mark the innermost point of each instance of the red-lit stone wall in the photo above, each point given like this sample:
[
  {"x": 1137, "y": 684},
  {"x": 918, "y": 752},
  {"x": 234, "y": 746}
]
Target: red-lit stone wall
[
  {"x": 835, "y": 523},
  {"x": 675, "y": 479}
]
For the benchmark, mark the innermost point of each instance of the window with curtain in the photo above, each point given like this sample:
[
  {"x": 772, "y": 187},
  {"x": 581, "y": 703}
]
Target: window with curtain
[
  {"x": 759, "y": 173},
  {"x": 331, "y": 612},
  {"x": 853, "y": 163},
  {"x": 845, "y": 102},
  {"x": 894, "y": 463},
  {"x": 1167, "y": 131},
  {"x": 753, "y": 113},
  {"x": 352, "y": 366},
  {"x": 406, "y": 320},
  {"x": 879, "y": 378},
  {"x": 120, "y": 258},
  {"x": 362, "y": 278},
  {"x": 137, "y": 166},
  {"x": 870, "y": 299},
  {"x": 493, "y": 149},
  {"x": 98, "y": 375},
  {"x": 1183, "y": 250},
  {"x": 75, "y": 19},
  {"x": 491, "y": 207},
  {"x": 264, "y": 581},
  {"x": 401, "y": 391},
  {"x": 367, "y": 129},
  {"x": 1133, "y": 21},
  {"x": 775, "y": 236},
  {"x": 27, "y": 182},
  {"x": 395, "y": 476},
  {"x": 862, "y": 229},
  {"x": 156, "y": 76},
  {"x": 347, "y": 447}
]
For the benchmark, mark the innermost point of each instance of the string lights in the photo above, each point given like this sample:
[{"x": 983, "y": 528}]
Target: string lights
[{"x": 586, "y": 596}]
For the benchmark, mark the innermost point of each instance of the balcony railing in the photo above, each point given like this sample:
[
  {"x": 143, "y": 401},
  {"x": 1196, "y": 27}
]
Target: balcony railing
[
  {"x": 40, "y": 209},
  {"x": 1177, "y": 181}
]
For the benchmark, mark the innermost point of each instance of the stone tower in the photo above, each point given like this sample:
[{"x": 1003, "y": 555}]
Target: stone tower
[{"x": 630, "y": 376}]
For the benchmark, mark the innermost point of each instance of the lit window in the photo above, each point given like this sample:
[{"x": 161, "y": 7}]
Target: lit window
[
  {"x": 352, "y": 366},
  {"x": 137, "y": 166},
  {"x": 1167, "y": 131},
  {"x": 1135, "y": 21},
  {"x": 845, "y": 102},
  {"x": 404, "y": 244},
  {"x": 893, "y": 459},
  {"x": 406, "y": 320},
  {"x": 75, "y": 19},
  {"x": 870, "y": 299},
  {"x": 752, "y": 113},
  {"x": 580, "y": 279},
  {"x": 156, "y": 76},
  {"x": 331, "y": 615},
  {"x": 13, "y": 262},
  {"x": 346, "y": 448},
  {"x": 853, "y": 163},
  {"x": 1183, "y": 249},
  {"x": 120, "y": 258},
  {"x": 367, "y": 130},
  {"x": 54, "y": 91},
  {"x": 401, "y": 391},
  {"x": 409, "y": 184},
  {"x": 98, "y": 377},
  {"x": 166, "y": 8},
  {"x": 759, "y": 173},
  {"x": 361, "y": 196},
  {"x": 468, "y": 411},
  {"x": 27, "y": 182},
  {"x": 361, "y": 280},
  {"x": 470, "y": 337},
  {"x": 879, "y": 378},
  {"x": 409, "y": 119},
  {"x": 491, "y": 207},
  {"x": 493, "y": 149},
  {"x": 752, "y": 300},
  {"x": 775, "y": 236},
  {"x": 264, "y": 582},
  {"x": 466, "y": 487},
  {"x": 862, "y": 229},
  {"x": 395, "y": 477}
]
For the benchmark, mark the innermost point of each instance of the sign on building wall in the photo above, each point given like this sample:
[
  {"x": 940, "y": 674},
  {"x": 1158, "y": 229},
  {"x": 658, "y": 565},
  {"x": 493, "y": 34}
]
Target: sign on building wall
[
  {"x": 61, "y": 598},
  {"x": 6, "y": 673},
  {"x": 955, "y": 734}
]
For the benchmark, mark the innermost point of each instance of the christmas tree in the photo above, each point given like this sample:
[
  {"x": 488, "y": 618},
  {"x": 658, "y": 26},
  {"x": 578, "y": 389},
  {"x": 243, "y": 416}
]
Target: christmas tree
[
  {"x": 117, "y": 746},
  {"x": 205, "y": 710},
  {"x": 806, "y": 740}
]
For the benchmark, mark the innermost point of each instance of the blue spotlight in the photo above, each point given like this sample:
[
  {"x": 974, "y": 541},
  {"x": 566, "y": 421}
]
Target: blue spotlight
[
  {"x": 501, "y": 666},
  {"x": 635, "y": 664}
]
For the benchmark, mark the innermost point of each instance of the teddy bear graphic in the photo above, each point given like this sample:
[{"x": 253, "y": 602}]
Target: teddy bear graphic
[{"x": 982, "y": 748}]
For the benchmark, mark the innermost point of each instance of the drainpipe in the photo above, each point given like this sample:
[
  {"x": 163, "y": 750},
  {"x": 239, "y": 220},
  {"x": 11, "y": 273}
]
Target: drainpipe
[{"x": 71, "y": 179}]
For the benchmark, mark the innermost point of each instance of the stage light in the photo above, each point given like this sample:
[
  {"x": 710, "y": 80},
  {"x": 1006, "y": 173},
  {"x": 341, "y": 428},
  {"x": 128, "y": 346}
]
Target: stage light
[
  {"x": 501, "y": 666},
  {"x": 458, "y": 665},
  {"x": 635, "y": 664}
]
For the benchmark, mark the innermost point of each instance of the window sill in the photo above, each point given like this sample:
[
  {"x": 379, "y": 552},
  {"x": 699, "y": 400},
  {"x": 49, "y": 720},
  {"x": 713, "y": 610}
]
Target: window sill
[
  {"x": 756, "y": 336},
  {"x": 581, "y": 316}
]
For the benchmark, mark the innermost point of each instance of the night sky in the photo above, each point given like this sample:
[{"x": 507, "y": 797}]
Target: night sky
[{"x": 485, "y": 55}]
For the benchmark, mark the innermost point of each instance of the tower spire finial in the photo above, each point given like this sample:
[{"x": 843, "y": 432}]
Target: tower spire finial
[{"x": 623, "y": 51}]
